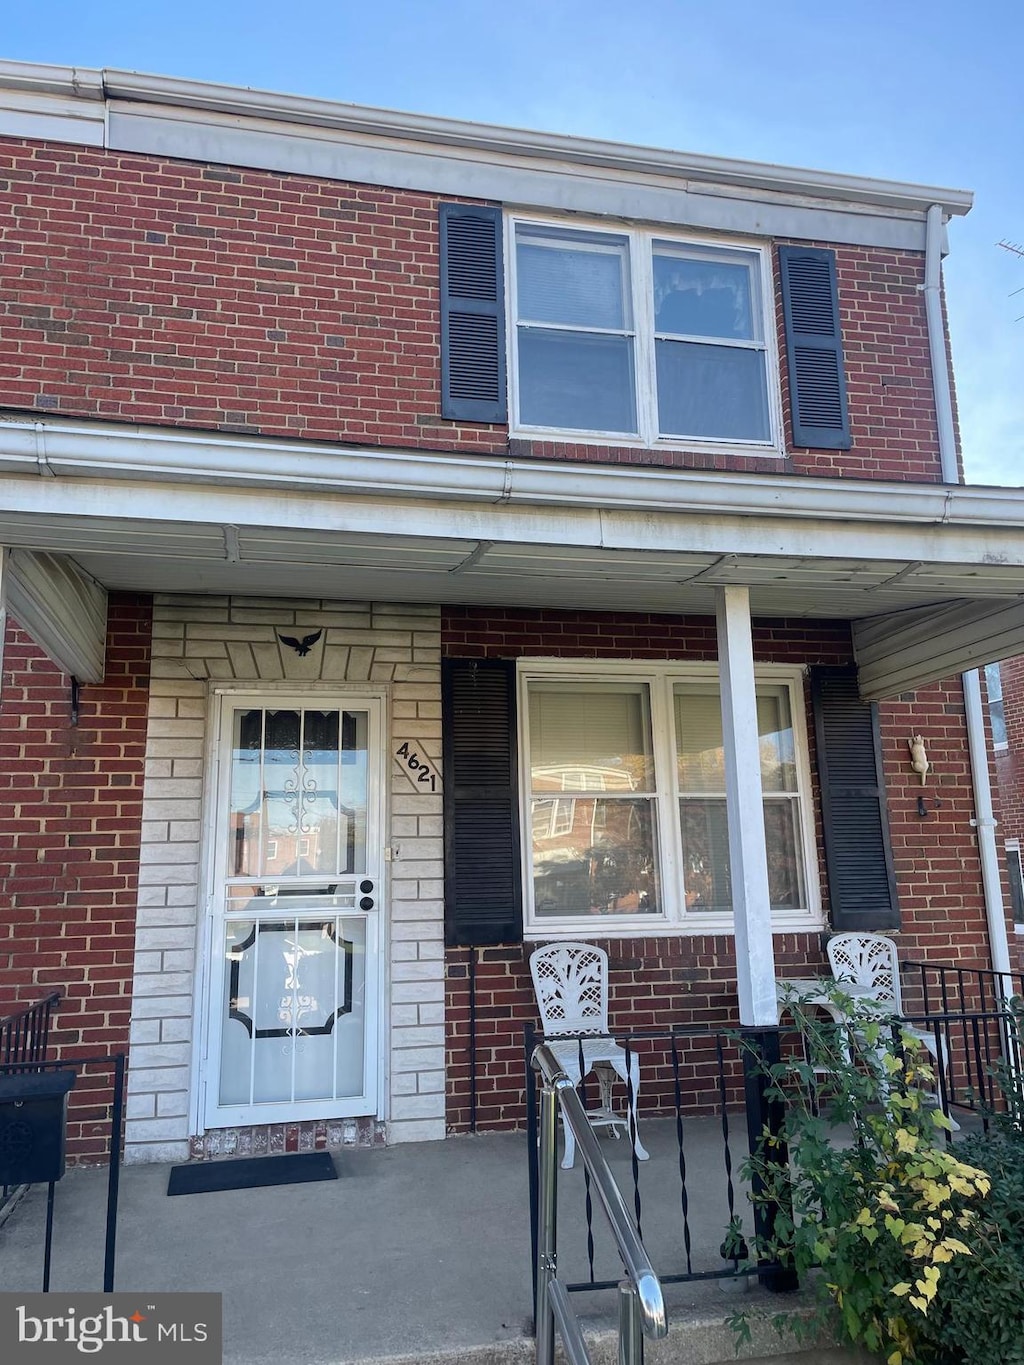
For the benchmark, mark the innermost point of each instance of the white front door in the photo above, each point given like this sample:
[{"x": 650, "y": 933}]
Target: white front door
[{"x": 295, "y": 911}]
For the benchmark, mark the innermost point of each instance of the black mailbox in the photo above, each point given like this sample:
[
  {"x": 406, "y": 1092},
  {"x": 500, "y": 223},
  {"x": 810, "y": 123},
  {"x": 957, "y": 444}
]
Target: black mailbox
[{"x": 33, "y": 1126}]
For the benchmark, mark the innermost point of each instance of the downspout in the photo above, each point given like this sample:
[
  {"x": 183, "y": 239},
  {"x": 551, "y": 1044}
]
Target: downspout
[{"x": 984, "y": 814}]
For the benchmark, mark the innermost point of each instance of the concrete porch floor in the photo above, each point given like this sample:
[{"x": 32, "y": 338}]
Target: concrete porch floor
[{"x": 414, "y": 1252}]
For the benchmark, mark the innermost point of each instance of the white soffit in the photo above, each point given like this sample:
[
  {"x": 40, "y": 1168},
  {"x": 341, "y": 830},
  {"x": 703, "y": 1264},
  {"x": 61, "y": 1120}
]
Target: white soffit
[
  {"x": 63, "y": 610},
  {"x": 901, "y": 652}
]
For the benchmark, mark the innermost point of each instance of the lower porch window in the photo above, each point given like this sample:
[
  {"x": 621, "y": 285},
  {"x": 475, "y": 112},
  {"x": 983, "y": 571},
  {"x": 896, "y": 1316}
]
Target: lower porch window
[{"x": 624, "y": 789}]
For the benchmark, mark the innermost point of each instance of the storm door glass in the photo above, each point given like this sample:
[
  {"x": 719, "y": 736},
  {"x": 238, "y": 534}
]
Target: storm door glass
[
  {"x": 296, "y": 941},
  {"x": 298, "y": 793},
  {"x": 295, "y": 999}
]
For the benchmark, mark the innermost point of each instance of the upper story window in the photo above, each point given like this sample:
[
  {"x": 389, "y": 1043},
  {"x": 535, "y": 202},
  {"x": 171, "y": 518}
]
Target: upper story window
[
  {"x": 634, "y": 336},
  {"x": 637, "y": 337}
]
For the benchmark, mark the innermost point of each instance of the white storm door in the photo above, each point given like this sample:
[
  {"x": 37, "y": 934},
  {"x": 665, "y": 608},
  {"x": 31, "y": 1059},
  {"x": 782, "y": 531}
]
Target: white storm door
[{"x": 295, "y": 928}]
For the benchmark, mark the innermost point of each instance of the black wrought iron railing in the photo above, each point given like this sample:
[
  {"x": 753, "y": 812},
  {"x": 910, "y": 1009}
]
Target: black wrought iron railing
[
  {"x": 25, "y": 1035},
  {"x": 948, "y": 988},
  {"x": 970, "y": 1011},
  {"x": 98, "y": 1122},
  {"x": 975, "y": 1057},
  {"x": 699, "y": 1112},
  {"x": 688, "y": 1195}
]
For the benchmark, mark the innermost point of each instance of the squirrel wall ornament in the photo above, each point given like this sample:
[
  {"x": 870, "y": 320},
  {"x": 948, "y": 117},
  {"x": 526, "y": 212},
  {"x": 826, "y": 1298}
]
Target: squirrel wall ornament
[{"x": 918, "y": 757}]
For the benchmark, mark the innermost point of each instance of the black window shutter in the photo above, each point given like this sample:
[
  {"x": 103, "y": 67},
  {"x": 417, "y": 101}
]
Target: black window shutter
[
  {"x": 472, "y": 314},
  {"x": 483, "y": 882},
  {"x": 814, "y": 348},
  {"x": 858, "y": 851}
]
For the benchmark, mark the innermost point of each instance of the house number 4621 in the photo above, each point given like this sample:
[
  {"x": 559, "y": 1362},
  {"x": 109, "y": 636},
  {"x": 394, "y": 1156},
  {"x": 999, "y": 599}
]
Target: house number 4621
[{"x": 417, "y": 765}]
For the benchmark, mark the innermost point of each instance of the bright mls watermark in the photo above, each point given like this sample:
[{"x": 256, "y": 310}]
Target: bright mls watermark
[{"x": 165, "y": 1329}]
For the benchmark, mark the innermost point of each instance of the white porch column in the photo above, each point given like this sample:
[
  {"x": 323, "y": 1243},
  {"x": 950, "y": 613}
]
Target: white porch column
[{"x": 748, "y": 859}]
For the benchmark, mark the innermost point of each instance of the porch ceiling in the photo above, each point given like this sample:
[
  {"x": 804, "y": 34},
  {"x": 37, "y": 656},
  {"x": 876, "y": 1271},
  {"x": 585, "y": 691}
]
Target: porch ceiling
[{"x": 180, "y": 557}]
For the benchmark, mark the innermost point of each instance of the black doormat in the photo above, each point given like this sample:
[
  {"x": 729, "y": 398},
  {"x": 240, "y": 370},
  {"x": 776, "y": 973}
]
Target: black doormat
[{"x": 247, "y": 1173}]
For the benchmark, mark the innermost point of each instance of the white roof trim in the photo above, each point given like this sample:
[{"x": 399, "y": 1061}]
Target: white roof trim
[
  {"x": 488, "y": 139},
  {"x": 133, "y": 453}
]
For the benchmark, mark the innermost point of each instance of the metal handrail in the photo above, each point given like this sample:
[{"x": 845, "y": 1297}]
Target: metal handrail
[{"x": 641, "y": 1301}]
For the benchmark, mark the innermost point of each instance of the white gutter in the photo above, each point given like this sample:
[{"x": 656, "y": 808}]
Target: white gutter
[
  {"x": 984, "y": 813},
  {"x": 59, "y": 448}
]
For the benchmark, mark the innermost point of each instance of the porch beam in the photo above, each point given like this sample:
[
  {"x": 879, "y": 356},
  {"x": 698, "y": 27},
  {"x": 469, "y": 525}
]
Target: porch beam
[
  {"x": 748, "y": 858},
  {"x": 904, "y": 650}
]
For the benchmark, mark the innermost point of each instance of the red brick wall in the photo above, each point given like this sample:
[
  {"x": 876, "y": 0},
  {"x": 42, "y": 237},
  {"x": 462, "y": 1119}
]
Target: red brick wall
[
  {"x": 938, "y": 868},
  {"x": 690, "y": 980},
  {"x": 69, "y": 846},
  {"x": 149, "y": 290},
  {"x": 888, "y": 371},
  {"x": 1009, "y": 781},
  {"x": 1010, "y": 763}
]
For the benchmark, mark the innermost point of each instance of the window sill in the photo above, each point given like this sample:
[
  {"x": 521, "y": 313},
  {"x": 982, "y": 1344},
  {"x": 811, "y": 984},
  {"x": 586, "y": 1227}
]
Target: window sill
[
  {"x": 589, "y": 928},
  {"x": 747, "y": 449}
]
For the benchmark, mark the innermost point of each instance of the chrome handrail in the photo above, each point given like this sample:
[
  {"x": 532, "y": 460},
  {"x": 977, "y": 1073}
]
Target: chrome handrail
[{"x": 641, "y": 1302}]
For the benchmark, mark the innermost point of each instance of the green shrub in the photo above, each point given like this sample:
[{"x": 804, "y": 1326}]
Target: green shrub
[
  {"x": 872, "y": 1199},
  {"x": 978, "y": 1313}
]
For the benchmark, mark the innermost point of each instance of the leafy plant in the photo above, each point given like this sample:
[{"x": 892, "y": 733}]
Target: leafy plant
[
  {"x": 977, "y": 1317},
  {"x": 865, "y": 1192}
]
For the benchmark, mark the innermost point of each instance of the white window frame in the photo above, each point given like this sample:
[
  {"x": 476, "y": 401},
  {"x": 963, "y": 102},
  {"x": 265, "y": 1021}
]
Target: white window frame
[
  {"x": 674, "y": 918},
  {"x": 1013, "y": 846},
  {"x": 641, "y": 270},
  {"x": 995, "y": 700}
]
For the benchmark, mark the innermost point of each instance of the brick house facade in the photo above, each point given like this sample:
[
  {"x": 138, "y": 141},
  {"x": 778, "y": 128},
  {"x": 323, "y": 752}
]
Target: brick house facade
[
  {"x": 253, "y": 422},
  {"x": 1005, "y": 694}
]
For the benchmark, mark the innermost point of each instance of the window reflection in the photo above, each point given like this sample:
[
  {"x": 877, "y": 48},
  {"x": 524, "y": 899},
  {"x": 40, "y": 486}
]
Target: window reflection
[
  {"x": 598, "y": 861},
  {"x": 298, "y": 793},
  {"x": 592, "y": 855},
  {"x": 700, "y": 757}
]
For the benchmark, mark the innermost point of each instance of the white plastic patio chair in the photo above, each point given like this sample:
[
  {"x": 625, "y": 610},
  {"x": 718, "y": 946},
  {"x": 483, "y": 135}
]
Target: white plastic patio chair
[
  {"x": 571, "y": 984},
  {"x": 867, "y": 964}
]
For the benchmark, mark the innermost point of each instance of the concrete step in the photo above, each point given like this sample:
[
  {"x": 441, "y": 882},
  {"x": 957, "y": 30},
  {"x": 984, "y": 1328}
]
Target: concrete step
[{"x": 694, "y": 1339}]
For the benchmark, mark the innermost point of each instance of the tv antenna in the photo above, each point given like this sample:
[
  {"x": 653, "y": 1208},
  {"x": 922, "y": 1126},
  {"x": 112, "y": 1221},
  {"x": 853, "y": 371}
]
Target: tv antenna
[{"x": 1017, "y": 250}]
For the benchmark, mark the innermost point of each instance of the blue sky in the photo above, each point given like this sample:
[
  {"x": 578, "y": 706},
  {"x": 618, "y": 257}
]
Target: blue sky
[{"x": 930, "y": 93}]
